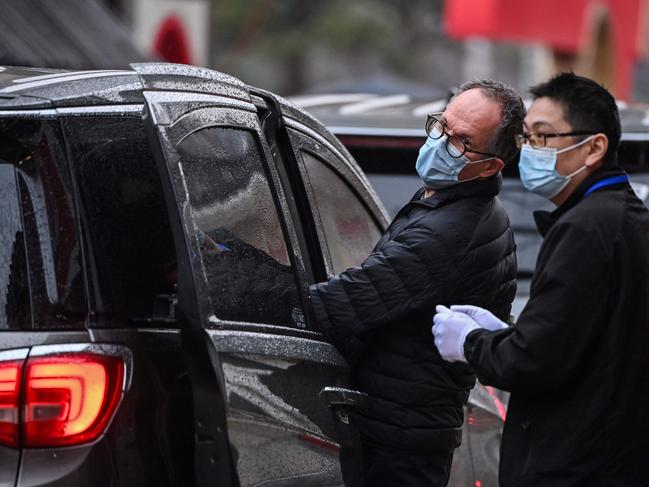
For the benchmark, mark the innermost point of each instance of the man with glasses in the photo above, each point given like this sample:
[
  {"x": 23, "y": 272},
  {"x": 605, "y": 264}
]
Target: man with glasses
[
  {"x": 577, "y": 360},
  {"x": 451, "y": 243}
]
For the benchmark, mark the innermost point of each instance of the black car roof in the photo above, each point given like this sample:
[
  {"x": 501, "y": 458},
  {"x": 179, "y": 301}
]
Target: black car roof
[
  {"x": 32, "y": 88},
  {"x": 22, "y": 88}
]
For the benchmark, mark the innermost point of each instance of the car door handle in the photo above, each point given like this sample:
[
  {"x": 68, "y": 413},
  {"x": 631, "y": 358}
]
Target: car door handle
[{"x": 339, "y": 396}]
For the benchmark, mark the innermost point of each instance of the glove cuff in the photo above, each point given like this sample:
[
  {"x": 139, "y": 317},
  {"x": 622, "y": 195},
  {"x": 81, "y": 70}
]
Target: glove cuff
[{"x": 468, "y": 329}]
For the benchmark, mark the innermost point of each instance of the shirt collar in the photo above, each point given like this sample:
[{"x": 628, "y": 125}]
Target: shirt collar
[{"x": 545, "y": 219}]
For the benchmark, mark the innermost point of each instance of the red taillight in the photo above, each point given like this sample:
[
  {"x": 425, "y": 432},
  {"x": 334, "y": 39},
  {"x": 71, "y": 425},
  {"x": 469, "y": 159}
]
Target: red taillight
[
  {"x": 10, "y": 374},
  {"x": 70, "y": 398},
  {"x": 61, "y": 398}
]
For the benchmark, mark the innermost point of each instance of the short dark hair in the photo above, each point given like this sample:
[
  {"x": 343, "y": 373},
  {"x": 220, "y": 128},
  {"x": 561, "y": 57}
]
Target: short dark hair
[
  {"x": 587, "y": 106},
  {"x": 503, "y": 141}
]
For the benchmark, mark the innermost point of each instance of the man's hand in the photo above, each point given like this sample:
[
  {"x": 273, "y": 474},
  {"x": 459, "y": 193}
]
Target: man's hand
[
  {"x": 450, "y": 330},
  {"x": 481, "y": 316}
]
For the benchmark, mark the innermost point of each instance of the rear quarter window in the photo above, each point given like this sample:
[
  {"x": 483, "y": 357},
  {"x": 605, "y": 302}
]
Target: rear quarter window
[
  {"x": 48, "y": 226},
  {"x": 14, "y": 295}
]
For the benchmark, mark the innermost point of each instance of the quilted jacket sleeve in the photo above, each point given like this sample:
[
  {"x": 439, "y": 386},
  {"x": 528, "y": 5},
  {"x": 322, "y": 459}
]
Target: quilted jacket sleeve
[{"x": 411, "y": 273}]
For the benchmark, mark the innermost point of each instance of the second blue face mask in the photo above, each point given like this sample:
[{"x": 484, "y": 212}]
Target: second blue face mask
[{"x": 537, "y": 168}]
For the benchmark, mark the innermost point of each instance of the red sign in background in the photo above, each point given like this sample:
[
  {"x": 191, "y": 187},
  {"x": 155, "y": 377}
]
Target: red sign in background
[{"x": 563, "y": 25}]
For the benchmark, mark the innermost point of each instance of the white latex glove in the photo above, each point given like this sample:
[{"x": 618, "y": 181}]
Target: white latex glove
[
  {"x": 450, "y": 330},
  {"x": 481, "y": 316}
]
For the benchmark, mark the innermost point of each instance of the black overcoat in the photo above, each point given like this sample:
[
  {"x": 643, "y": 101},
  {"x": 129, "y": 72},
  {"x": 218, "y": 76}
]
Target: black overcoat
[{"x": 577, "y": 361}]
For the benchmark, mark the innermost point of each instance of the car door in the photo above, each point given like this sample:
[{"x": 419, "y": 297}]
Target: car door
[
  {"x": 245, "y": 262},
  {"x": 129, "y": 259}
]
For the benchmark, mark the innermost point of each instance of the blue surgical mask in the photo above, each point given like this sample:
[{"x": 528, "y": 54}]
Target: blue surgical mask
[
  {"x": 538, "y": 171},
  {"x": 437, "y": 168}
]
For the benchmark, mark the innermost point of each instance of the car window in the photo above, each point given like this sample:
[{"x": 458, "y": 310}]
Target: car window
[
  {"x": 130, "y": 249},
  {"x": 49, "y": 222},
  {"x": 14, "y": 295},
  {"x": 243, "y": 248},
  {"x": 349, "y": 229}
]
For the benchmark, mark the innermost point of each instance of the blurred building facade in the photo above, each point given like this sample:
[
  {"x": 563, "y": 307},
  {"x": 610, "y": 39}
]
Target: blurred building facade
[
  {"x": 72, "y": 34},
  {"x": 421, "y": 47}
]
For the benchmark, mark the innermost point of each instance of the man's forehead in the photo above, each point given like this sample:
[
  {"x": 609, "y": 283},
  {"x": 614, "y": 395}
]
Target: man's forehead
[
  {"x": 474, "y": 108},
  {"x": 546, "y": 112}
]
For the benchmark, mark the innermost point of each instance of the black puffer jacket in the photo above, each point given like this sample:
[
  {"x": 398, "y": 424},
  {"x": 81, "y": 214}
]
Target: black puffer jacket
[{"x": 454, "y": 247}]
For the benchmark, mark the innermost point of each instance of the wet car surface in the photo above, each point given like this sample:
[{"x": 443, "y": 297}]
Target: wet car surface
[{"x": 161, "y": 226}]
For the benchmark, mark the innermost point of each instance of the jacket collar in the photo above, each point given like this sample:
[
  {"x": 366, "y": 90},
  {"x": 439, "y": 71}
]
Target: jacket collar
[
  {"x": 545, "y": 219},
  {"x": 478, "y": 187}
]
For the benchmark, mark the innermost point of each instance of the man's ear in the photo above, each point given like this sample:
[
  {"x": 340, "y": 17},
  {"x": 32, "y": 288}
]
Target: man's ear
[
  {"x": 492, "y": 167},
  {"x": 596, "y": 150}
]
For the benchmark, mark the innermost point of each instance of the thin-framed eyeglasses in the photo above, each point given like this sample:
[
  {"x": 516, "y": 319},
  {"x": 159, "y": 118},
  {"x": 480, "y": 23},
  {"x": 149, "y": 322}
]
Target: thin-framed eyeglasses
[
  {"x": 455, "y": 146},
  {"x": 538, "y": 140}
]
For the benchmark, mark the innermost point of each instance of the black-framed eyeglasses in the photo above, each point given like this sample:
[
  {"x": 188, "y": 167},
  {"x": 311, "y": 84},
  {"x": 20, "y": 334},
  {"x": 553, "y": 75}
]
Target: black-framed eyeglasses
[
  {"x": 455, "y": 146},
  {"x": 537, "y": 140}
]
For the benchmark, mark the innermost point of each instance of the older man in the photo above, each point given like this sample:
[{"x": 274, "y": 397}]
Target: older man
[
  {"x": 576, "y": 361},
  {"x": 451, "y": 243}
]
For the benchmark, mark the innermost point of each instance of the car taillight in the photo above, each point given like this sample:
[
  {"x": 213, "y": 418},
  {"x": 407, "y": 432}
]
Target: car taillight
[
  {"x": 10, "y": 373},
  {"x": 59, "y": 399},
  {"x": 70, "y": 398}
]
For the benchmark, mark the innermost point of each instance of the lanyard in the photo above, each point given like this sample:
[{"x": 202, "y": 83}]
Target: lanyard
[{"x": 623, "y": 178}]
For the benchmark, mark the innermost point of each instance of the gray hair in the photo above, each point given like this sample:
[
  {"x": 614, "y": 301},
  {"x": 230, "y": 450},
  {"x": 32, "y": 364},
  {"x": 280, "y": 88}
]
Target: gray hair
[{"x": 503, "y": 141}]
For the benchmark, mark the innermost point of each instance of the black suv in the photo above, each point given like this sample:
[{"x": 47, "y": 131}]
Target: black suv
[{"x": 160, "y": 228}]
